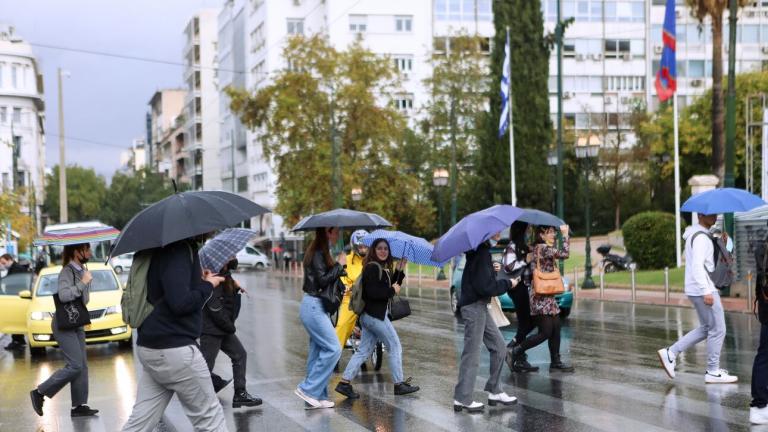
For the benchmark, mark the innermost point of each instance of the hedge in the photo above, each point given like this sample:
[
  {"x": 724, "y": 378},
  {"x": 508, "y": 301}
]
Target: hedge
[{"x": 649, "y": 238}]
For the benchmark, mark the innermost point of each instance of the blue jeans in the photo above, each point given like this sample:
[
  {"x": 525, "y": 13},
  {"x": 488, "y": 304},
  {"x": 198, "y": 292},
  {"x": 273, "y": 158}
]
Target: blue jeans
[
  {"x": 324, "y": 349},
  {"x": 760, "y": 371},
  {"x": 374, "y": 329}
]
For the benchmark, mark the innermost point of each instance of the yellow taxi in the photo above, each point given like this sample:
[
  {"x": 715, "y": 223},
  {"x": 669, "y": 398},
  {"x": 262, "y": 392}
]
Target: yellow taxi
[{"x": 30, "y": 311}]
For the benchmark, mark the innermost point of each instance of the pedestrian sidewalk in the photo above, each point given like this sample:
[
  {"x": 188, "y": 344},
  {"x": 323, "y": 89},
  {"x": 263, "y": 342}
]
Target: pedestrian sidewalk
[{"x": 730, "y": 304}]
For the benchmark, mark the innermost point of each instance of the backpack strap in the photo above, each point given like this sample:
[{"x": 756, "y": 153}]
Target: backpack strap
[{"x": 714, "y": 242}]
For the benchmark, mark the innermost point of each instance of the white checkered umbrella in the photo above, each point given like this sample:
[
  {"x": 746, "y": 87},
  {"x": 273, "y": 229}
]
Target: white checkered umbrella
[{"x": 222, "y": 248}]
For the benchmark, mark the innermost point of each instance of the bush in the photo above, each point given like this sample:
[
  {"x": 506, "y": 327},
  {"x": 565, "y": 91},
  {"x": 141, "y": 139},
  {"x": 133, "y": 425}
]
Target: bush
[{"x": 650, "y": 238}]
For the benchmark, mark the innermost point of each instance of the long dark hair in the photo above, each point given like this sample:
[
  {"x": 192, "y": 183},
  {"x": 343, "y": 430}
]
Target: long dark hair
[
  {"x": 319, "y": 243},
  {"x": 69, "y": 252},
  {"x": 371, "y": 255},
  {"x": 517, "y": 237}
]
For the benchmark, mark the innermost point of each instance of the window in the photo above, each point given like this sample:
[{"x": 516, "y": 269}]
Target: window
[
  {"x": 696, "y": 69},
  {"x": 3, "y": 115},
  {"x": 198, "y": 106},
  {"x": 242, "y": 184},
  {"x": 6, "y": 181},
  {"x": 16, "y": 115},
  {"x": 616, "y": 48},
  {"x": 197, "y": 80},
  {"x": 358, "y": 23},
  {"x": 257, "y": 73},
  {"x": 14, "y": 76},
  {"x": 257, "y": 38},
  {"x": 295, "y": 26},
  {"x": 624, "y": 83},
  {"x": 695, "y": 37},
  {"x": 404, "y": 24},
  {"x": 625, "y": 11},
  {"x": 569, "y": 48},
  {"x": 256, "y": 4},
  {"x": 404, "y": 102},
  {"x": 404, "y": 64},
  {"x": 198, "y": 132},
  {"x": 2, "y": 67},
  {"x": 748, "y": 34},
  {"x": 439, "y": 45}
]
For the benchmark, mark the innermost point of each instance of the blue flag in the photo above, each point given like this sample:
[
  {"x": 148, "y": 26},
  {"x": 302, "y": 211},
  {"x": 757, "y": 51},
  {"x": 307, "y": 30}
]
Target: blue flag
[
  {"x": 505, "y": 92},
  {"x": 666, "y": 76}
]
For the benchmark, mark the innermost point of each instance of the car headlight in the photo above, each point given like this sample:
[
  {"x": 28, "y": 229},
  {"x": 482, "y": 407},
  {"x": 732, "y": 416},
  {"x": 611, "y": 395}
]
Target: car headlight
[
  {"x": 116, "y": 309},
  {"x": 39, "y": 315}
]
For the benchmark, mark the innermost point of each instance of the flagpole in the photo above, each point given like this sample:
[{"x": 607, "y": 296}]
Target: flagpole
[
  {"x": 511, "y": 126},
  {"x": 677, "y": 183}
]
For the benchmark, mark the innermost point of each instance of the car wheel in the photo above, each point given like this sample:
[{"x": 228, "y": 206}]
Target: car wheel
[
  {"x": 564, "y": 312},
  {"x": 377, "y": 356},
  {"x": 454, "y": 301},
  {"x": 118, "y": 269},
  {"x": 259, "y": 266},
  {"x": 37, "y": 351},
  {"x": 610, "y": 268}
]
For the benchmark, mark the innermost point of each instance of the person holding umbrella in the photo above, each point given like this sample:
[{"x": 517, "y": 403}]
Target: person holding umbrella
[{"x": 321, "y": 273}]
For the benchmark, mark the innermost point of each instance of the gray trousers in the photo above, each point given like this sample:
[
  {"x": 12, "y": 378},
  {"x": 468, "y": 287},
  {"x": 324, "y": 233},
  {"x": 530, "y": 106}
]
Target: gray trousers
[
  {"x": 479, "y": 327},
  {"x": 182, "y": 371},
  {"x": 75, "y": 373},
  {"x": 712, "y": 329}
]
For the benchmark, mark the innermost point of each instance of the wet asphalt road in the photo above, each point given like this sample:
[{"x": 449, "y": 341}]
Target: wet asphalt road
[{"x": 618, "y": 384}]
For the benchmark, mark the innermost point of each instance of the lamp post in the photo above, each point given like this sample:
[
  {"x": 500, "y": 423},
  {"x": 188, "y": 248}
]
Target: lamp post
[
  {"x": 440, "y": 180},
  {"x": 552, "y": 162},
  {"x": 587, "y": 149},
  {"x": 357, "y": 195}
]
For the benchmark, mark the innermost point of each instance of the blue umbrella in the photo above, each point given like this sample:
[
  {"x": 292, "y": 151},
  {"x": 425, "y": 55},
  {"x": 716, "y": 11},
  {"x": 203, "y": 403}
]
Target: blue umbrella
[
  {"x": 401, "y": 245},
  {"x": 220, "y": 249},
  {"x": 722, "y": 200},
  {"x": 474, "y": 229}
]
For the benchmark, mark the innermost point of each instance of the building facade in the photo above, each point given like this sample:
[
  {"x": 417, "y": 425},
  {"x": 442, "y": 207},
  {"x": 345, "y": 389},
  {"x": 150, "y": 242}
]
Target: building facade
[{"x": 22, "y": 116}]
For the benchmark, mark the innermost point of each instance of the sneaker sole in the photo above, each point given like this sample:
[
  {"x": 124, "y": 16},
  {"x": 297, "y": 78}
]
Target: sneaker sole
[
  {"x": 306, "y": 399},
  {"x": 244, "y": 404},
  {"x": 459, "y": 408},
  {"x": 664, "y": 365},
  {"x": 495, "y": 402},
  {"x": 721, "y": 382},
  {"x": 347, "y": 395}
]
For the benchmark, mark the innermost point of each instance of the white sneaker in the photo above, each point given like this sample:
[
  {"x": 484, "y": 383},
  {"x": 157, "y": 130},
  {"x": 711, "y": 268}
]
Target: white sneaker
[
  {"x": 474, "y": 407},
  {"x": 311, "y": 403},
  {"x": 758, "y": 415},
  {"x": 667, "y": 361},
  {"x": 327, "y": 404},
  {"x": 719, "y": 377},
  {"x": 501, "y": 398}
]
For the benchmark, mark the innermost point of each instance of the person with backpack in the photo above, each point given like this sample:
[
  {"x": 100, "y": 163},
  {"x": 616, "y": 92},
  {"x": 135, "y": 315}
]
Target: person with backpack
[
  {"x": 219, "y": 317},
  {"x": 700, "y": 263},
  {"x": 758, "y": 407},
  {"x": 347, "y": 318},
  {"x": 73, "y": 285},
  {"x": 177, "y": 288},
  {"x": 379, "y": 282}
]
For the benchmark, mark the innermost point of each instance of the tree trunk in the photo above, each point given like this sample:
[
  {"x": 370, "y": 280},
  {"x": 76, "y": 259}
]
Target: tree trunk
[{"x": 718, "y": 117}]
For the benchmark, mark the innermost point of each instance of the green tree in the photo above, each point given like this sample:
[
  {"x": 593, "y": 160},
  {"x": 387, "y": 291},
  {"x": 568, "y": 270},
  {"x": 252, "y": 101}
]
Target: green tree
[
  {"x": 85, "y": 194},
  {"x": 129, "y": 193},
  {"x": 324, "y": 90},
  {"x": 530, "y": 104},
  {"x": 11, "y": 204}
]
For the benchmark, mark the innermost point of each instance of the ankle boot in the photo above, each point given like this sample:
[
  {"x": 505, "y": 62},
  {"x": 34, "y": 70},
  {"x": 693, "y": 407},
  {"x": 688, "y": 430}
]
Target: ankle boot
[
  {"x": 242, "y": 398},
  {"x": 522, "y": 365},
  {"x": 557, "y": 365}
]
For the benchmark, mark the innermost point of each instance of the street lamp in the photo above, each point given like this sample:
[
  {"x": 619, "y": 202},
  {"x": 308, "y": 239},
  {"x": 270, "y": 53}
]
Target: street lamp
[
  {"x": 552, "y": 161},
  {"x": 440, "y": 180},
  {"x": 357, "y": 195},
  {"x": 587, "y": 149}
]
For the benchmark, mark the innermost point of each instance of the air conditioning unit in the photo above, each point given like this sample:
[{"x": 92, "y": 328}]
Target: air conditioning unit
[
  {"x": 579, "y": 57},
  {"x": 626, "y": 56},
  {"x": 696, "y": 83},
  {"x": 658, "y": 49},
  {"x": 678, "y": 13}
]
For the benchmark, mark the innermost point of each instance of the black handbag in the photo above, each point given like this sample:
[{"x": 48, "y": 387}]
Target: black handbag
[
  {"x": 398, "y": 308},
  {"x": 71, "y": 315},
  {"x": 331, "y": 296}
]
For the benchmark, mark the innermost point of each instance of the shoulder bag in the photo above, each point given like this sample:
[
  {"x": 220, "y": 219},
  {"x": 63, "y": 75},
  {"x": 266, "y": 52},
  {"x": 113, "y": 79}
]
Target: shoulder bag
[
  {"x": 546, "y": 283},
  {"x": 71, "y": 315}
]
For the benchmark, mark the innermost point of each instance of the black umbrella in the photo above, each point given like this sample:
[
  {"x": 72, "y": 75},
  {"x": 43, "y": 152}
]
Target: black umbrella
[
  {"x": 184, "y": 215},
  {"x": 538, "y": 217},
  {"x": 342, "y": 218}
]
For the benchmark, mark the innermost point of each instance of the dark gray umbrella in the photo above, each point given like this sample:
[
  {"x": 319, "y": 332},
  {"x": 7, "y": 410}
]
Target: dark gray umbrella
[
  {"x": 184, "y": 215},
  {"x": 342, "y": 218},
  {"x": 538, "y": 217}
]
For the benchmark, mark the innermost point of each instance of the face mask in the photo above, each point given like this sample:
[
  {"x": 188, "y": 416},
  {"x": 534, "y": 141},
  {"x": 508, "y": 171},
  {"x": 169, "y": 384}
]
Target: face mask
[{"x": 83, "y": 258}]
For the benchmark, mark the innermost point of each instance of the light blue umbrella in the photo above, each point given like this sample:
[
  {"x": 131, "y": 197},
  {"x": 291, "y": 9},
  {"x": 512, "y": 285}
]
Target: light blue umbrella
[
  {"x": 722, "y": 200},
  {"x": 401, "y": 245},
  {"x": 220, "y": 249},
  {"x": 474, "y": 229}
]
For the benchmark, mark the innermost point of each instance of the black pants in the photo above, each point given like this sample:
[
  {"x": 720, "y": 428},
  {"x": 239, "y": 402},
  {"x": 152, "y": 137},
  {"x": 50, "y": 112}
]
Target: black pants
[
  {"x": 230, "y": 344},
  {"x": 760, "y": 371},
  {"x": 549, "y": 330},
  {"x": 19, "y": 339},
  {"x": 525, "y": 326}
]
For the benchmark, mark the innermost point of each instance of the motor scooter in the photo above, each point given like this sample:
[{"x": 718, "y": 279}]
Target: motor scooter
[{"x": 612, "y": 262}]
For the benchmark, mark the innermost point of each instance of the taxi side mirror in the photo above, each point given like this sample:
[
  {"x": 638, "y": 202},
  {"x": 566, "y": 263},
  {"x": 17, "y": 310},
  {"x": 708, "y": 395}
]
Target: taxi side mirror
[{"x": 26, "y": 294}]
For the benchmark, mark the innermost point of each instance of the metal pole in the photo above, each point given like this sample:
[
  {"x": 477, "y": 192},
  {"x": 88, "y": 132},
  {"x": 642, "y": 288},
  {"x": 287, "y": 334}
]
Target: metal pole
[
  {"x": 666, "y": 285},
  {"x": 634, "y": 291},
  {"x": 511, "y": 127},
  {"x": 602, "y": 283},
  {"x": 730, "y": 112},
  {"x": 678, "y": 228},
  {"x": 232, "y": 156},
  {"x": 559, "y": 39},
  {"x": 454, "y": 169},
  {"x": 63, "y": 216},
  {"x": 588, "y": 283},
  {"x": 749, "y": 290}
]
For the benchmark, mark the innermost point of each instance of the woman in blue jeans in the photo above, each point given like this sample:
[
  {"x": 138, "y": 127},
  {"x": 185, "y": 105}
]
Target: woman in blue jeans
[
  {"x": 380, "y": 283},
  {"x": 320, "y": 273}
]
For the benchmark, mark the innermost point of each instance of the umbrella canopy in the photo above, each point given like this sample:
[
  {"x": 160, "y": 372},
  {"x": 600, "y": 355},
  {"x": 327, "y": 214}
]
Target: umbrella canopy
[
  {"x": 220, "y": 249},
  {"x": 181, "y": 216},
  {"x": 722, "y": 200},
  {"x": 538, "y": 217},
  {"x": 342, "y": 218},
  {"x": 401, "y": 245},
  {"x": 474, "y": 229},
  {"x": 72, "y": 236}
]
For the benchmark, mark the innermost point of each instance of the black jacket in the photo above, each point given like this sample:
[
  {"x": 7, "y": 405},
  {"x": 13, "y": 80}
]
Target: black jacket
[
  {"x": 318, "y": 276},
  {"x": 377, "y": 291},
  {"x": 15, "y": 267},
  {"x": 176, "y": 289},
  {"x": 479, "y": 281},
  {"x": 220, "y": 312},
  {"x": 761, "y": 285}
]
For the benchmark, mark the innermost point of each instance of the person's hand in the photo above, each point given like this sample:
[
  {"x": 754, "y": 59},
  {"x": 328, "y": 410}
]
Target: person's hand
[
  {"x": 724, "y": 236},
  {"x": 529, "y": 257},
  {"x": 342, "y": 259},
  {"x": 396, "y": 287},
  {"x": 496, "y": 266},
  {"x": 515, "y": 282},
  {"x": 709, "y": 299},
  {"x": 564, "y": 230},
  {"x": 87, "y": 277},
  {"x": 212, "y": 278}
]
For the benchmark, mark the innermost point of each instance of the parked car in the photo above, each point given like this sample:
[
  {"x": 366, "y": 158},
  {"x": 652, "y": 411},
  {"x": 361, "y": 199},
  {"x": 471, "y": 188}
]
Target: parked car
[
  {"x": 564, "y": 301},
  {"x": 122, "y": 263},
  {"x": 253, "y": 258},
  {"x": 31, "y": 311},
  {"x": 13, "y": 319}
]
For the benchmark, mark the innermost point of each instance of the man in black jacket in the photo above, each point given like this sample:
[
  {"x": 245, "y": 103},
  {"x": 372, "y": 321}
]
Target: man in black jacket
[
  {"x": 167, "y": 342},
  {"x": 478, "y": 285},
  {"x": 758, "y": 408},
  {"x": 7, "y": 262}
]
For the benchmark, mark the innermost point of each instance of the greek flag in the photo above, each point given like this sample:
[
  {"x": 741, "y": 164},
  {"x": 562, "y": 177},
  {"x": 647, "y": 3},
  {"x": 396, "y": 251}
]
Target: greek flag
[{"x": 505, "y": 92}]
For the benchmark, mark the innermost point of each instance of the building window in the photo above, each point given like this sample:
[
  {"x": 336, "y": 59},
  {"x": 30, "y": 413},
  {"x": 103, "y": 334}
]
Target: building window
[
  {"x": 404, "y": 24},
  {"x": 14, "y": 76},
  {"x": 16, "y": 116},
  {"x": 198, "y": 132},
  {"x": 358, "y": 23},
  {"x": 3, "y": 115},
  {"x": 242, "y": 184},
  {"x": 696, "y": 69},
  {"x": 197, "y": 80},
  {"x": 257, "y": 38},
  {"x": 404, "y": 64},
  {"x": 748, "y": 34},
  {"x": 295, "y": 26},
  {"x": 624, "y": 83},
  {"x": 625, "y": 11},
  {"x": 198, "y": 106},
  {"x": 404, "y": 102},
  {"x": 616, "y": 48},
  {"x": 463, "y": 10},
  {"x": 257, "y": 73},
  {"x": 256, "y": 4}
]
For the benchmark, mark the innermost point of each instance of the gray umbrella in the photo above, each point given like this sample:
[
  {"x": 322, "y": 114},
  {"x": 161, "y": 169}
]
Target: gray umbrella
[
  {"x": 184, "y": 215},
  {"x": 342, "y": 218},
  {"x": 538, "y": 217}
]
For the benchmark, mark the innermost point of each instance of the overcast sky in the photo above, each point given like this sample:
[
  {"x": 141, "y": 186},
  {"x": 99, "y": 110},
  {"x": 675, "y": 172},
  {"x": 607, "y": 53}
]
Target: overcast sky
[{"x": 105, "y": 98}]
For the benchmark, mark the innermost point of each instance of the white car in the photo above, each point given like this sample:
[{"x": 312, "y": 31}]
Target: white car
[
  {"x": 122, "y": 263},
  {"x": 253, "y": 258}
]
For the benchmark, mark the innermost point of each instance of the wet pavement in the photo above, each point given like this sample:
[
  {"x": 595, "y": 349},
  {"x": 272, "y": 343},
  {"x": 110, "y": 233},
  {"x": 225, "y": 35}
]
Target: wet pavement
[{"x": 618, "y": 383}]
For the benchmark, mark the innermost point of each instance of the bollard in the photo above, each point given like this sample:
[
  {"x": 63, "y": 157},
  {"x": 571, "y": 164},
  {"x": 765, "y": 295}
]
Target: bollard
[
  {"x": 749, "y": 290},
  {"x": 419, "y": 274},
  {"x": 602, "y": 283},
  {"x": 666, "y": 285},
  {"x": 575, "y": 280},
  {"x": 634, "y": 291}
]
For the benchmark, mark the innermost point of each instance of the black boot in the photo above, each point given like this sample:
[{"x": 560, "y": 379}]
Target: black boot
[
  {"x": 405, "y": 387},
  {"x": 83, "y": 411},
  {"x": 219, "y": 383},
  {"x": 346, "y": 389},
  {"x": 559, "y": 366},
  {"x": 522, "y": 365},
  {"x": 37, "y": 401},
  {"x": 242, "y": 398}
]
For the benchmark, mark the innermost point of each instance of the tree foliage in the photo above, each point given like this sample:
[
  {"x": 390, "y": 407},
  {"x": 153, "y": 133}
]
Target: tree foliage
[
  {"x": 12, "y": 205},
  {"x": 295, "y": 115},
  {"x": 85, "y": 194},
  {"x": 129, "y": 193},
  {"x": 650, "y": 239}
]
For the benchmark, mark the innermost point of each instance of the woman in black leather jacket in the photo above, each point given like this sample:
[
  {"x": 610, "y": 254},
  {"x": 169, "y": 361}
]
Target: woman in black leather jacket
[{"x": 320, "y": 273}]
